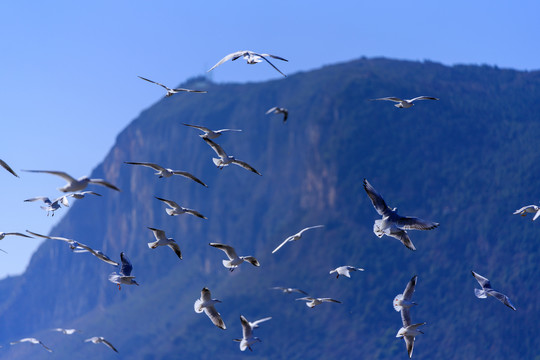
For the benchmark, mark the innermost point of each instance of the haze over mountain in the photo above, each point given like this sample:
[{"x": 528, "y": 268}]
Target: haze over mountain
[{"x": 467, "y": 161}]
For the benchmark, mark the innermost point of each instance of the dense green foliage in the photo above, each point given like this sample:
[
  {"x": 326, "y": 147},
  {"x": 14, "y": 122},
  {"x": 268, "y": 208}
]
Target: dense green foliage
[{"x": 467, "y": 161}]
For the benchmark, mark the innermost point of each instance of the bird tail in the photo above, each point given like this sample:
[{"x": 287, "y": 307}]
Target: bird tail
[
  {"x": 152, "y": 245},
  {"x": 481, "y": 294},
  {"x": 377, "y": 228},
  {"x": 397, "y": 302},
  {"x": 197, "y": 306},
  {"x": 218, "y": 162},
  {"x": 227, "y": 264},
  {"x": 170, "y": 211}
]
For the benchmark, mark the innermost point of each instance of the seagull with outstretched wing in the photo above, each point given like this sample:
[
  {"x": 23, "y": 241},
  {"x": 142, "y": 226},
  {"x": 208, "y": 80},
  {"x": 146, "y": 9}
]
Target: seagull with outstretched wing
[
  {"x": 487, "y": 290},
  {"x": 171, "y": 92},
  {"x": 166, "y": 173},
  {"x": 234, "y": 259},
  {"x": 206, "y": 303},
  {"x": 295, "y": 237},
  {"x": 73, "y": 184},
  {"x": 251, "y": 58},
  {"x": 210, "y": 134},
  {"x": 225, "y": 160},
  {"x": 405, "y": 103}
]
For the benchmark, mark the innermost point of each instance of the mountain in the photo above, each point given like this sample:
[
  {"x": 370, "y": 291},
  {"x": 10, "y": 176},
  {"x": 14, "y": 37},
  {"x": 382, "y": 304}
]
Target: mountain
[{"x": 466, "y": 161}]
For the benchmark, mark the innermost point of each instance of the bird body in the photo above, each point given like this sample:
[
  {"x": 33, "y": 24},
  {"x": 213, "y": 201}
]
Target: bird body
[
  {"x": 408, "y": 333},
  {"x": 287, "y": 290},
  {"x": 66, "y": 331},
  {"x": 234, "y": 259},
  {"x": 345, "y": 270},
  {"x": 163, "y": 240},
  {"x": 531, "y": 209},
  {"x": 279, "y": 110},
  {"x": 206, "y": 303}
]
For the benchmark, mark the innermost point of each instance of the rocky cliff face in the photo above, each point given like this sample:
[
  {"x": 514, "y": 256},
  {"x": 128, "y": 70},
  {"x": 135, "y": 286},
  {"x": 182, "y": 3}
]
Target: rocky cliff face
[{"x": 466, "y": 161}]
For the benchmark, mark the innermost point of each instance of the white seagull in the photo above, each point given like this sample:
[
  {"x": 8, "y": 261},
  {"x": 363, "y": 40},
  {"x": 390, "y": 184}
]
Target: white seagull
[
  {"x": 163, "y": 172},
  {"x": 206, "y": 303},
  {"x": 73, "y": 184},
  {"x": 533, "y": 209},
  {"x": 247, "y": 334},
  {"x": 402, "y": 302},
  {"x": 210, "y": 134},
  {"x": 225, "y": 160},
  {"x": 102, "y": 340},
  {"x": 251, "y": 58},
  {"x": 31, "y": 340},
  {"x": 50, "y": 206},
  {"x": 345, "y": 270},
  {"x": 296, "y": 236},
  {"x": 408, "y": 332},
  {"x": 66, "y": 331},
  {"x": 406, "y": 103},
  {"x": 393, "y": 224},
  {"x": 234, "y": 259},
  {"x": 124, "y": 275},
  {"x": 8, "y": 168},
  {"x": 171, "y": 92},
  {"x": 176, "y": 209},
  {"x": 4, "y": 234},
  {"x": 279, "y": 110},
  {"x": 312, "y": 302},
  {"x": 287, "y": 290},
  {"x": 488, "y": 291},
  {"x": 163, "y": 240}
]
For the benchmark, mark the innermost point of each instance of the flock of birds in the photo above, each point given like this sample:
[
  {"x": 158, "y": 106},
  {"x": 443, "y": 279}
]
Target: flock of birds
[{"x": 391, "y": 224}]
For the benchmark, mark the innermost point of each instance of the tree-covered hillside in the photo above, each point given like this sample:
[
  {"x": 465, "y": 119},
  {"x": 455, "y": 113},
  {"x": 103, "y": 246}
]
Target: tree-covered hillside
[{"x": 466, "y": 161}]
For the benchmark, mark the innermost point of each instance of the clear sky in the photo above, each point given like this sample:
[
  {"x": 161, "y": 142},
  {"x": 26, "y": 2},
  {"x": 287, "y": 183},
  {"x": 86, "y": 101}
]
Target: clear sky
[{"x": 69, "y": 69}]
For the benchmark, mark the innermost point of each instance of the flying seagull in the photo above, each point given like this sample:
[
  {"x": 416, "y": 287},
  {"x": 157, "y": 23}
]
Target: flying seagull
[
  {"x": 4, "y": 234},
  {"x": 73, "y": 184},
  {"x": 251, "y": 58},
  {"x": 403, "y": 303},
  {"x": 176, "y": 209},
  {"x": 171, "y": 92},
  {"x": 8, "y": 168},
  {"x": 406, "y": 103},
  {"x": 206, "y": 303},
  {"x": 225, "y": 160},
  {"x": 247, "y": 335},
  {"x": 163, "y": 172},
  {"x": 312, "y": 302},
  {"x": 210, "y": 134},
  {"x": 393, "y": 224},
  {"x": 408, "y": 332},
  {"x": 102, "y": 340},
  {"x": 533, "y": 209},
  {"x": 66, "y": 331},
  {"x": 279, "y": 110},
  {"x": 162, "y": 240},
  {"x": 50, "y": 206},
  {"x": 295, "y": 237},
  {"x": 488, "y": 291},
  {"x": 124, "y": 275},
  {"x": 31, "y": 340},
  {"x": 287, "y": 290},
  {"x": 234, "y": 260},
  {"x": 345, "y": 270}
]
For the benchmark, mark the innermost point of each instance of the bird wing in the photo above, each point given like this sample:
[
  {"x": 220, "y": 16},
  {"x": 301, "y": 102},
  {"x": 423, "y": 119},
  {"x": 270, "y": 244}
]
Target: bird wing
[
  {"x": 536, "y": 215},
  {"x": 45, "y": 199},
  {"x": 502, "y": 298},
  {"x": 285, "y": 115},
  {"x": 153, "y": 82},
  {"x": 281, "y": 245},
  {"x": 306, "y": 298},
  {"x": 45, "y": 347},
  {"x": 409, "y": 290},
  {"x": 376, "y": 199},
  {"x": 176, "y": 248},
  {"x": 271, "y": 109},
  {"x": 18, "y": 234},
  {"x": 405, "y": 316},
  {"x": 423, "y": 98},
  {"x": 213, "y": 314},
  {"x": 168, "y": 202},
  {"x": 7, "y": 167},
  {"x": 62, "y": 174},
  {"x": 402, "y": 236},
  {"x": 159, "y": 234},
  {"x": 88, "y": 192},
  {"x": 147, "y": 164},
  {"x": 413, "y": 223},
  {"x": 519, "y": 211},
  {"x": 189, "y": 90},
  {"x": 195, "y": 213},
  {"x": 229, "y": 250},
  {"x": 247, "y": 331},
  {"x": 252, "y": 260},
  {"x": 484, "y": 282},
  {"x": 227, "y": 57},
  {"x": 409, "y": 343},
  {"x": 108, "y": 344},
  {"x": 202, "y": 128},
  {"x": 104, "y": 183},
  {"x": 308, "y": 228},
  {"x": 126, "y": 268},
  {"x": 390, "y": 98},
  {"x": 329, "y": 300},
  {"x": 246, "y": 166},
  {"x": 189, "y": 176},
  {"x": 263, "y": 56},
  {"x": 257, "y": 322},
  {"x": 218, "y": 149},
  {"x": 274, "y": 57}
]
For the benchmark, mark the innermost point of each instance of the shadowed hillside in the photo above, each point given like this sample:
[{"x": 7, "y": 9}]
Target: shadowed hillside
[{"x": 466, "y": 161}]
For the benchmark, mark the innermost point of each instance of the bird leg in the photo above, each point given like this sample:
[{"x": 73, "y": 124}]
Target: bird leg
[{"x": 119, "y": 287}]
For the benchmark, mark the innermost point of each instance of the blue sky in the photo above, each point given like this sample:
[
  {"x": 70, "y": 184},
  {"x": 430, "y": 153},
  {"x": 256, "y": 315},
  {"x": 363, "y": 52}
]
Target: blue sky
[{"x": 69, "y": 69}]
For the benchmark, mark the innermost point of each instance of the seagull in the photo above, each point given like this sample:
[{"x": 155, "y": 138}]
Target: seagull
[
  {"x": 407, "y": 103},
  {"x": 171, "y": 92},
  {"x": 402, "y": 302},
  {"x": 50, "y": 206},
  {"x": 162, "y": 172},
  {"x": 66, "y": 331},
  {"x": 247, "y": 335},
  {"x": 225, "y": 160},
  {"x": 206, "y": 304},
  {"x": 393, "y": 224},
  {"x": 234, "y": 260},
  {"x": 534, "y": 209},
  {"x": 251, "y": 58},
  {"x": 487, "y": 290},
  {"x": 73, "y": 184},
  {"x": 31, "y": 340},
  {"x": 101, "y": 339},
  {"x": 255, "y": 324},
  {"x": 408, "y": 332},
  {"x": 345, "y": 270},
  {"x": 124, "y": 276},
  {"x": 4, "y": 234},
  {"x": 312, "y": 302},
  {"x": 8, "y": 168},
  {"x": 162, "y": 240},
  {"x": 78, "y": 247},
  {"x": 286, "y": 290},
  {"x": 279, "y": 110},
  {"x": 210, "y": 134},
  {"x": 296, "y": 236},
  {"x": 178, "y": 210}
]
